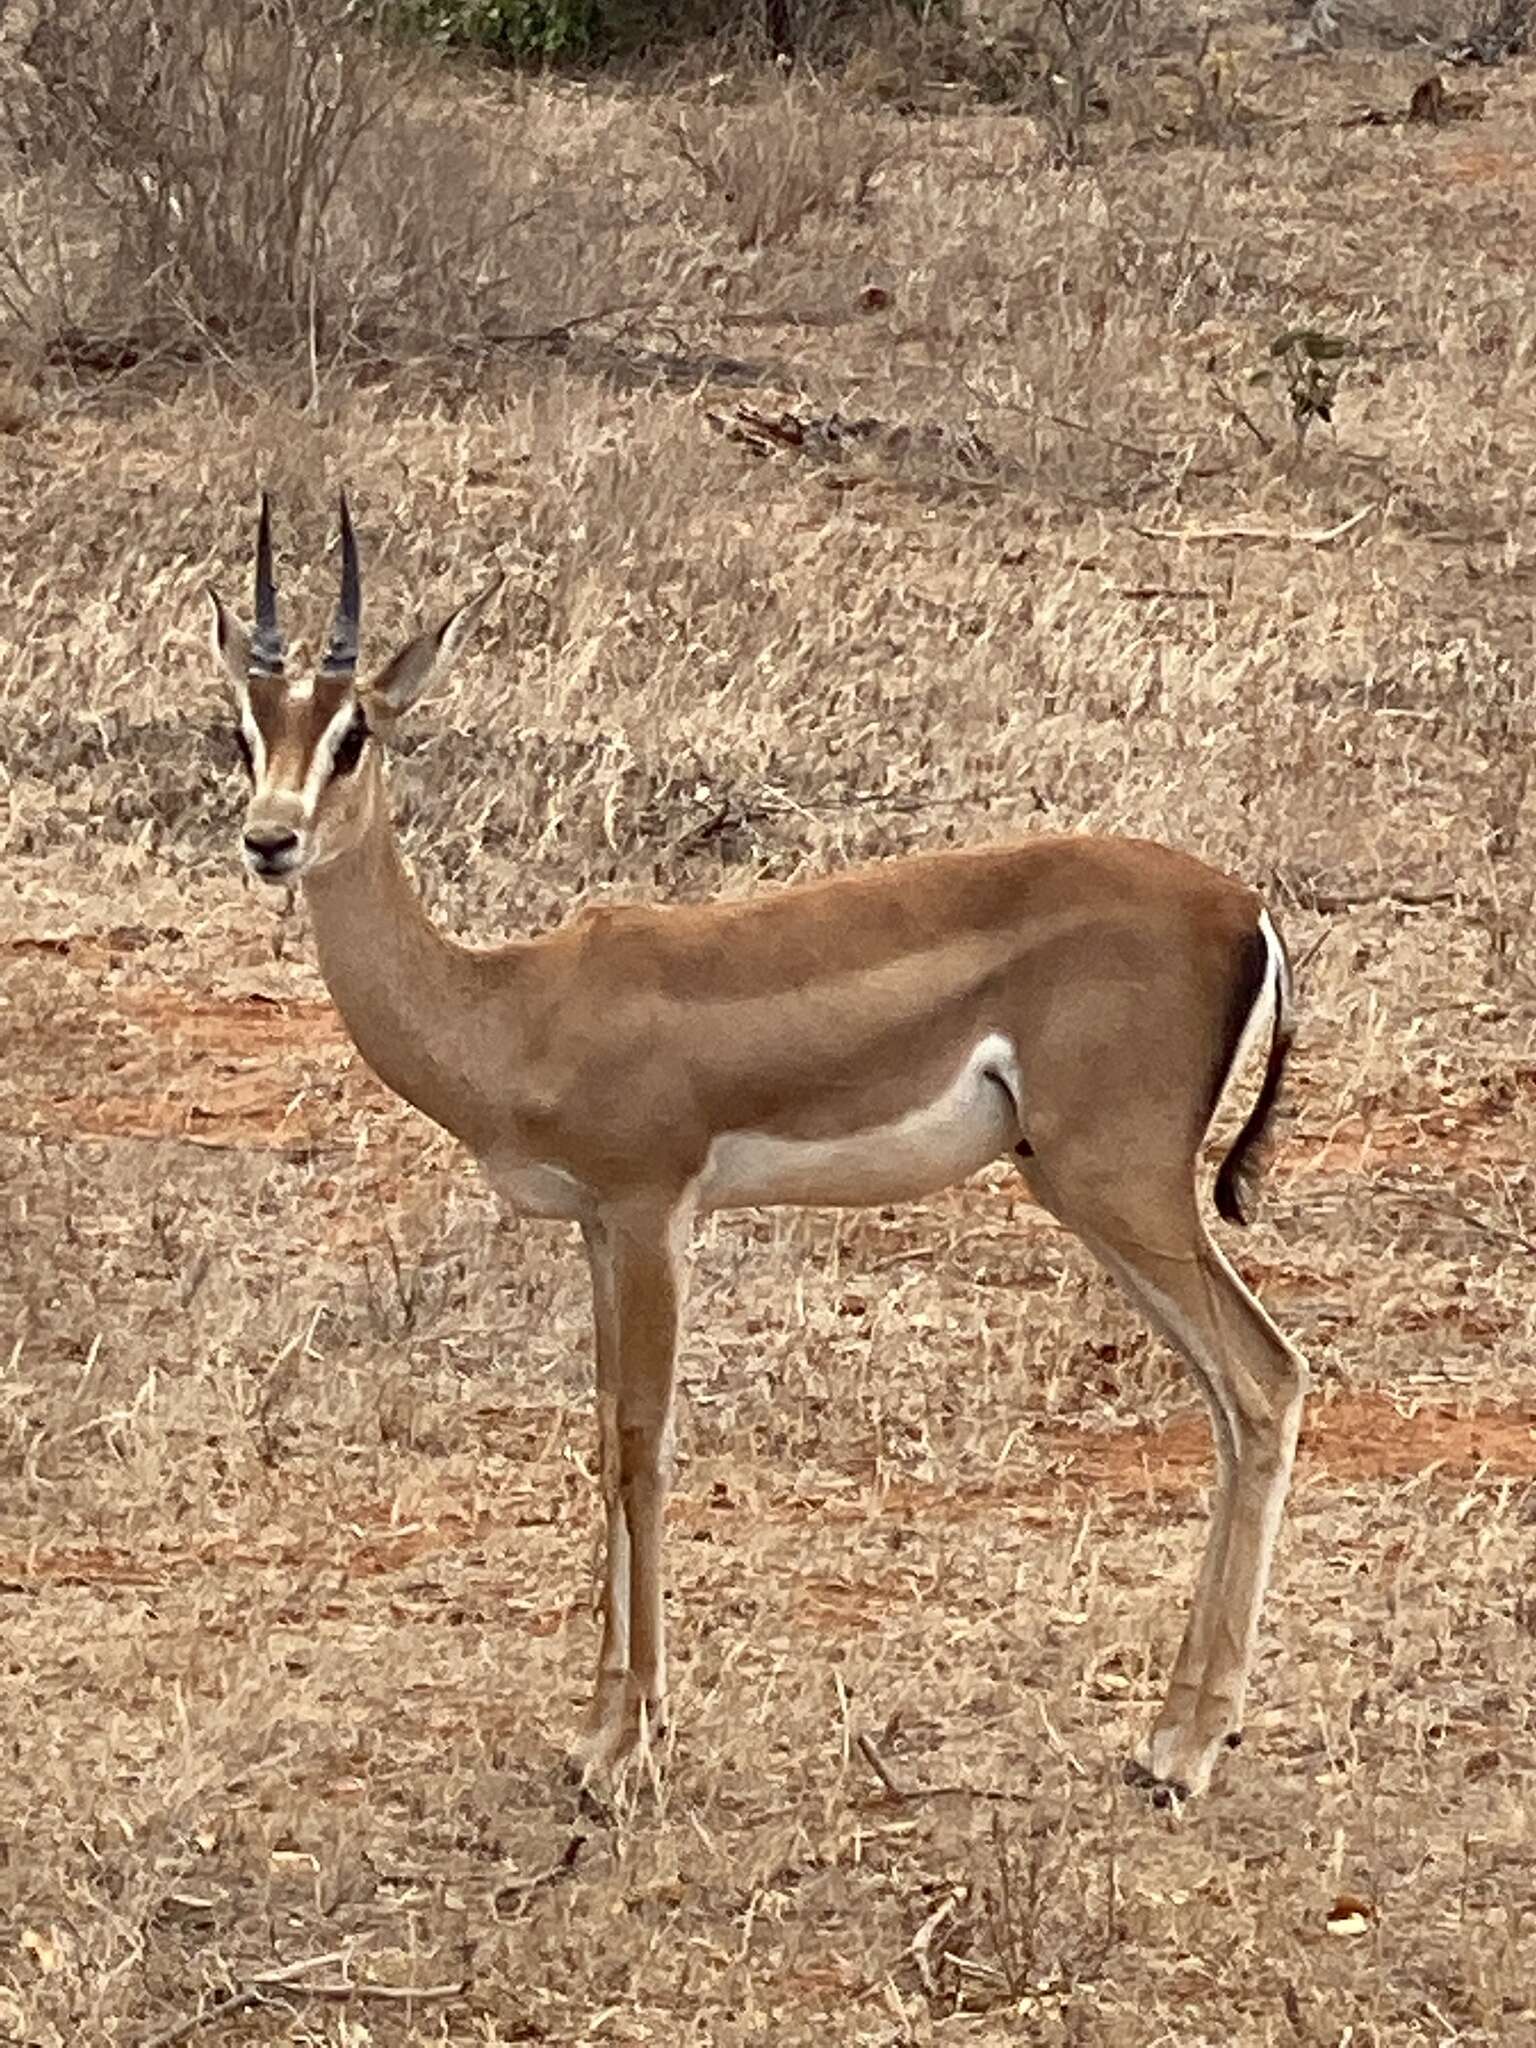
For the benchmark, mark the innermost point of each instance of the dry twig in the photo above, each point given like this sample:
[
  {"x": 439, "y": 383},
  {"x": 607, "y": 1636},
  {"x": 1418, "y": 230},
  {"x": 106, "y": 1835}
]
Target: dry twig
[
  {"x": 882, "y": 1770},
  {"x": 241, "y": 2000},
  {"x": 1338, "y": 900},
  {"x": 1241, "y": 414},
  {"x": 289, "y": 1978},
  {"x": 385, "y": 1994},
  {"x": 921, "y": 1946},
  {"x": 1436, "y": 1203},
  {"x": 515, "y": 1894},
  {"x": 1312, "y": 537}
]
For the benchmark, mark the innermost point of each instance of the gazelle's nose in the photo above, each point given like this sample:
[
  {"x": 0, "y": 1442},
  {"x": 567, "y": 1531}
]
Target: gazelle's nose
[{"x": 271, "y": 849}]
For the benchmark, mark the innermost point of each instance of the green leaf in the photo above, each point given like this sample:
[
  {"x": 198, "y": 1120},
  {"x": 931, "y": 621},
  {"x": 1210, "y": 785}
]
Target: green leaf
[{"x": 1311, "y": 341}]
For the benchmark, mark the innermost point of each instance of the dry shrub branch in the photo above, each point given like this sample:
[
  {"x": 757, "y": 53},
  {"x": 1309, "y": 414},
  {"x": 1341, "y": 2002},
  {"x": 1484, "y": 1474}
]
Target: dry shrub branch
[
  {"x": 767, "y": 168},
  {"x": 256, "y": 178}
]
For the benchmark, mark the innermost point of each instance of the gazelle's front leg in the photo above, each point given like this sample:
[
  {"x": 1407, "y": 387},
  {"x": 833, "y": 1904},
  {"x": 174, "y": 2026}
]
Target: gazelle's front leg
[
  {"x": 613, "y": 1655},
  {"x": 636, "y": 1255}
]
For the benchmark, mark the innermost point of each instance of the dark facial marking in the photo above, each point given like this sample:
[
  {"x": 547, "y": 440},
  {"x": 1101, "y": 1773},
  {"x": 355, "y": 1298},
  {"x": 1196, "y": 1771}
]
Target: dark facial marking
[
  {"x": 245, "y": 751},
  {"x": 349, "y": 748}
]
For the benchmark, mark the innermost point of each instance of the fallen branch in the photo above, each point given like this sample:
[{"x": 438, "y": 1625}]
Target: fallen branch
[
  {"x": 761, "y": 433},
  {"x": 241, "y": 2000},
  {"x": 1162, "y": 458},
  {"x": 522, "y": 1888},
  {"x": 210, "y": 2016},
  {"x": 1314, "y": 537},
  {"x": 1068, "y": 426},
  {"x": 866, "y": 1748},
  {"x": 342, "y": 1991},
  {"x": 384, "y": 1994},
  {"x": 560, "y": 331},
  {"x": 864, "y": 1744},
  {"x": 1356, "y": 899},
  {"x": 1456, "y": 1212},
  {"x": 1303, "y": 961},
  {"x": 1240, "y": 413}
]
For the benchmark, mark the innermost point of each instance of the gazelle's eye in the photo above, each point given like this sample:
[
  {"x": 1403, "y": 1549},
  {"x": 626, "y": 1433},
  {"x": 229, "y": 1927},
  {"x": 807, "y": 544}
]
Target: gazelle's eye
[
  {"x": 244, "y": 746},
  {"x": 349, "y": 748}
]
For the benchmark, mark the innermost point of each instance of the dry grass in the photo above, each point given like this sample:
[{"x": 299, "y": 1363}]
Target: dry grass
[
  {"x": 791, "y": 153},
  {"x": 298, "y": 1519},
  {"x": 233, "y": 183}
]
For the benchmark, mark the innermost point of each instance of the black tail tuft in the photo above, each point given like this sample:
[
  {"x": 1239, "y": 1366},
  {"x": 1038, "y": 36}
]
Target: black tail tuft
[{"x": 1234, "y": 1180}]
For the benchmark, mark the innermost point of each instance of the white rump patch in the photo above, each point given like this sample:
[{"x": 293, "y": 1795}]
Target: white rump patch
[
  {"x": 1274, "y": 990},
  {"x": 972, "y": 1122}
]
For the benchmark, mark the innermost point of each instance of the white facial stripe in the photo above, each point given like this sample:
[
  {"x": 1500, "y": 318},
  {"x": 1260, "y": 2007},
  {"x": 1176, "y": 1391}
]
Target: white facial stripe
[
  {"x": 323, "y": 760},
  {"x": 253, "y": 738}
]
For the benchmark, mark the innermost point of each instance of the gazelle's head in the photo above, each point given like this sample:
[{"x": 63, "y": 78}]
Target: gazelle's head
[{"x": 311, "y": 744}]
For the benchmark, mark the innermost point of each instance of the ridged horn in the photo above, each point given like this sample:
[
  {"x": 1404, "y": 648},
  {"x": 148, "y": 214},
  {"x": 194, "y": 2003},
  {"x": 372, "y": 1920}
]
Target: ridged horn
[
  {"x": 341, "y": 655},
  {"x": 266, "y": 649}
]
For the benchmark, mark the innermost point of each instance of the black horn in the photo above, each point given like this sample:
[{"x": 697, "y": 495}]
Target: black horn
[
  {"x": 341, "y": 655},
  {"x": 266, "y": 653}
]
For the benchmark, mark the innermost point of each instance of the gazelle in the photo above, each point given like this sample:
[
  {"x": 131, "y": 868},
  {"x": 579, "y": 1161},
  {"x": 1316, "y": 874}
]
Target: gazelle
[{"x": 1076, "y": 1004}]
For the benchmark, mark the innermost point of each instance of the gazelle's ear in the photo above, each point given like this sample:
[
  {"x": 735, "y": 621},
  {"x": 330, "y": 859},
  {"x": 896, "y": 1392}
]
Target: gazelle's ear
[
  {"x": 427, "y": 658},
  {"x": 231, "y": 642}
]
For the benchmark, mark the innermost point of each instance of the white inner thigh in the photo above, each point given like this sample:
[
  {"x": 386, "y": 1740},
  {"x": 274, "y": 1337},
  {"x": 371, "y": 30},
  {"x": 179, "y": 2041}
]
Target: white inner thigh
[{"x": 972, "y": 1121}]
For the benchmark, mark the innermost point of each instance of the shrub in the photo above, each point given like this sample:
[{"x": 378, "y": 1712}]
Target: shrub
[
  {"x": 566, "y": 31},
  {"x": 521, "y": 30},
  {"x": 258, "y": 175},
  {"x": 766, "y": 167}
]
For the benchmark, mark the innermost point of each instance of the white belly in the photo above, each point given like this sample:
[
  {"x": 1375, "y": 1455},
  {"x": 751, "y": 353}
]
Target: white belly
[
  {"x": 943, "y": 1141},
  {"x": 537, "y": 1190}
]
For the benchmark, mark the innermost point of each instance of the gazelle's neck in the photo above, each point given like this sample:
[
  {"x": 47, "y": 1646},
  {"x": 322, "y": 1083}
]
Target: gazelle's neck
[{"x": 408, "y": 995}]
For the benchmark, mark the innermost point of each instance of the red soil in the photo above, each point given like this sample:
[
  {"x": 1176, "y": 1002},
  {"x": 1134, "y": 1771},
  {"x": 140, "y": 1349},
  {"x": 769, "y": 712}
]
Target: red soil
[{"x": 1350, "y": 1440}]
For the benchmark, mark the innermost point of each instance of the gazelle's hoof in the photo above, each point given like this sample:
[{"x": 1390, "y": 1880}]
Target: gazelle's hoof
[
  {"x": 1175, "y": 1762},
  {"x": 1168, "y": 1794},
  {"x": 621, "y": 1718}
]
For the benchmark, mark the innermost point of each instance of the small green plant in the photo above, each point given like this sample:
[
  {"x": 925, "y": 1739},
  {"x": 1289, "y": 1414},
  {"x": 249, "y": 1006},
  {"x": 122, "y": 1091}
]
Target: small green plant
[
  {"x": 577, "y": 31},
  {"x": 1310, "y": 364},
  {"x": 1501, "y": 29},
  {"x": 524, "y": 31}
]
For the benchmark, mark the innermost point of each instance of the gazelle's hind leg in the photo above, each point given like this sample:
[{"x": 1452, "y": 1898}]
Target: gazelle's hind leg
[{"x": 1149, "y": 1235}]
